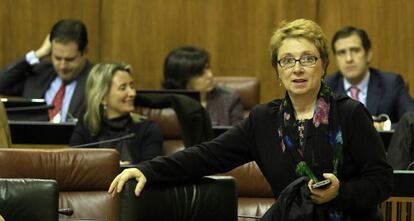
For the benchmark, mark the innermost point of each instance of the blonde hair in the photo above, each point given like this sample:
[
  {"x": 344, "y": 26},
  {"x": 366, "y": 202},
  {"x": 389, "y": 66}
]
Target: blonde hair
[
  {"x": 97, "y": 87},
  {"x": 300, "y": 28}
]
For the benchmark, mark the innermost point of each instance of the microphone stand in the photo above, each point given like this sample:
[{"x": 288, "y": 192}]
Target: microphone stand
[{"x": 128, "y": 136}]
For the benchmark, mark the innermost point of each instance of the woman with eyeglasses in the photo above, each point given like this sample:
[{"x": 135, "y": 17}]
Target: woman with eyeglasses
[{"x": 310, "y": 135}]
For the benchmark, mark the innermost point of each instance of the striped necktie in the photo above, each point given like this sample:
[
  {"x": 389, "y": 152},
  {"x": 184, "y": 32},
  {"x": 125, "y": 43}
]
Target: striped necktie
[
  {"x": 354, "y": 93},
  {"x": 57, "y": 102}
]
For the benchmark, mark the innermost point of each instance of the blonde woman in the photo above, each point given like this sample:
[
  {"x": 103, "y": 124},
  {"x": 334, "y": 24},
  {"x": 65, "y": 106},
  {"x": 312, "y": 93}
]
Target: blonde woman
[{"x": 110, "y": 95}]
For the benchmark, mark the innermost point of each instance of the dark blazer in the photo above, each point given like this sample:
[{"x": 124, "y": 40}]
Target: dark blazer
[
  {"x": 32, "y": 81},
  {"x": 365, "y": 176},
  {"x": 387, "y": 93}
]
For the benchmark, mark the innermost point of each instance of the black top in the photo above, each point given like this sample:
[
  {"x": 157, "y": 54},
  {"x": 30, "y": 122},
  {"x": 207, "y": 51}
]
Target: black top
[
  {"x": 365, "y": 177},
  {"x": 146, "y": 144}
]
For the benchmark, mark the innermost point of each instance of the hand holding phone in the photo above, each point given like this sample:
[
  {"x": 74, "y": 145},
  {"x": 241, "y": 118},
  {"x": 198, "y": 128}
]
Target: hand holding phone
[{"x": 321, "y": 184}]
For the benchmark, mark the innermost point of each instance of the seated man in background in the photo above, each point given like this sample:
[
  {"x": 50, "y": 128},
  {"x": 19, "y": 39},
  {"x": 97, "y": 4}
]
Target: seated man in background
[
  {"x": 189, "y": 68},
  {"x": 60, "y": 82},
  {"x": 110, "y": 96},
  {"x": 380, "y": 92}
]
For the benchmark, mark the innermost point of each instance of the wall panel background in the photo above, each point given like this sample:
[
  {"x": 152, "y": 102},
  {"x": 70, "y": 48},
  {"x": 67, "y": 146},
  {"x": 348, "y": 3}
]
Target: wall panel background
[{"x": 235, "y": 32}]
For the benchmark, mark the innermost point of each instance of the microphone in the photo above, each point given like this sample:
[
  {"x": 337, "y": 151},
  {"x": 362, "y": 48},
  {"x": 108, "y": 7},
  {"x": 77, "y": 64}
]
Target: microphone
[
  {"x": 409, "y": 167},
  {"x": 249, "y": 217},
  {"x": 125, "y": 137},
  {"x": 66, "y": 211}
]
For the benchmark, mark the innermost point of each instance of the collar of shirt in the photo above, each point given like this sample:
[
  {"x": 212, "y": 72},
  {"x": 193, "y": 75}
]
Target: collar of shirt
[{"x": 362, "y": 86}]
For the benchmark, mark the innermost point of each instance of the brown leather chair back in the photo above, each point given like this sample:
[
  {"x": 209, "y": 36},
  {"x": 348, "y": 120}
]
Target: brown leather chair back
[
  {"x": 83, "y": 176},
  {"x": 247, "y": 88},
  {"x": 167, "y": 120},
  {"x": 254, "y": 192},
  {"x": 5, "y": 137}
]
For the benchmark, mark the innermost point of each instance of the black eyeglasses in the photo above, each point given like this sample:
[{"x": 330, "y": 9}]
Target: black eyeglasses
[{"x": 305, "y": 61}]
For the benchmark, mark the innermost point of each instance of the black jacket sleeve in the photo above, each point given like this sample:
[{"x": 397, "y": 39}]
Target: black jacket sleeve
[
  {"x": 222, "y": 154},
  {"x": 13, "y": 77}
]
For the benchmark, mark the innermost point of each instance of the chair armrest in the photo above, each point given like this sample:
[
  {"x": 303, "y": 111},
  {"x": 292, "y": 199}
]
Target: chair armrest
[
  {"x": 29, "y": 199},
  {"x": 210, "y": 198}
]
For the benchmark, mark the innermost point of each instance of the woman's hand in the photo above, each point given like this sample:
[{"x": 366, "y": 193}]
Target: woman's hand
[
  {"x": 320, "y": 196},
  {"x": 120, "y": 180}
]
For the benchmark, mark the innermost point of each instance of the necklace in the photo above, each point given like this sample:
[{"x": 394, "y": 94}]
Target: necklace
[{"x": 301, "y": 131}]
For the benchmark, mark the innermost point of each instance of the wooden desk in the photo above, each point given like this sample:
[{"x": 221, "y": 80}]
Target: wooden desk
[{"x": 400, "y": 206}]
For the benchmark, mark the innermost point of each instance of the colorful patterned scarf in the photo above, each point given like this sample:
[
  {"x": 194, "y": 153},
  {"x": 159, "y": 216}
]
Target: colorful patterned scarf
[{"x": 326, "y": 124}]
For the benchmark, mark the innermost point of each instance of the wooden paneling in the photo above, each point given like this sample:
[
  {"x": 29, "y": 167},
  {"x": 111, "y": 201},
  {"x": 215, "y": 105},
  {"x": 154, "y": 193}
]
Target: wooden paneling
[
  {"x": 236, "y": 32},
  {"x": 24, "y": 24}
]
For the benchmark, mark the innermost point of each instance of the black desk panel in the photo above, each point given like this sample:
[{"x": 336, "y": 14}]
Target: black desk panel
[
  {"x": 403, "y": 183},
  {"x": 40, "y": 132}
]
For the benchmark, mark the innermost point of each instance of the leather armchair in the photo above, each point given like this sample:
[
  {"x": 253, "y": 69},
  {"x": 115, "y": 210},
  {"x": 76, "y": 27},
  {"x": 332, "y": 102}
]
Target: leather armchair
[
  {"x": 83, "y": 176},
  {"x": 29, "y": 199},
  {"x": 255, "y": 196},
  {"x": 247, "y": 88},
  {"x": 211, "y": 198}
]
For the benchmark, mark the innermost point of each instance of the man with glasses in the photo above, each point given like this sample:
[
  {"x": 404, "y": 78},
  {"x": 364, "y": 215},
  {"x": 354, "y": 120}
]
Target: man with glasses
[
  {"x": 380, "y": 92},
  {"x": 61, "y": 81}
]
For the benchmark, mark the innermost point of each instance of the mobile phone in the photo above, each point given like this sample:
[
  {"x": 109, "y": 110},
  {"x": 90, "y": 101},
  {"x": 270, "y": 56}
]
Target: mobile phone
[{"x": 321, "y": 184}]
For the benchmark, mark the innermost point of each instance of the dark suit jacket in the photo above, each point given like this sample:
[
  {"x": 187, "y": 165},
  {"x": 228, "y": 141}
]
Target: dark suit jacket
[
  {"x": 23, "y": 79},
  {"x": 387, "y": 93}
]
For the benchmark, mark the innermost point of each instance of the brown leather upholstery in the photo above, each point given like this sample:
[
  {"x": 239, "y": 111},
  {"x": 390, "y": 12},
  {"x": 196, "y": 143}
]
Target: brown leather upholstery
[
  {"x": 5, "y": 137},
  {"x": 254, "y": 192},
  {"x": 170, "y": 127},
  {"x": 83, "y": 176},
  {"x": 247, "y": 88}
]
